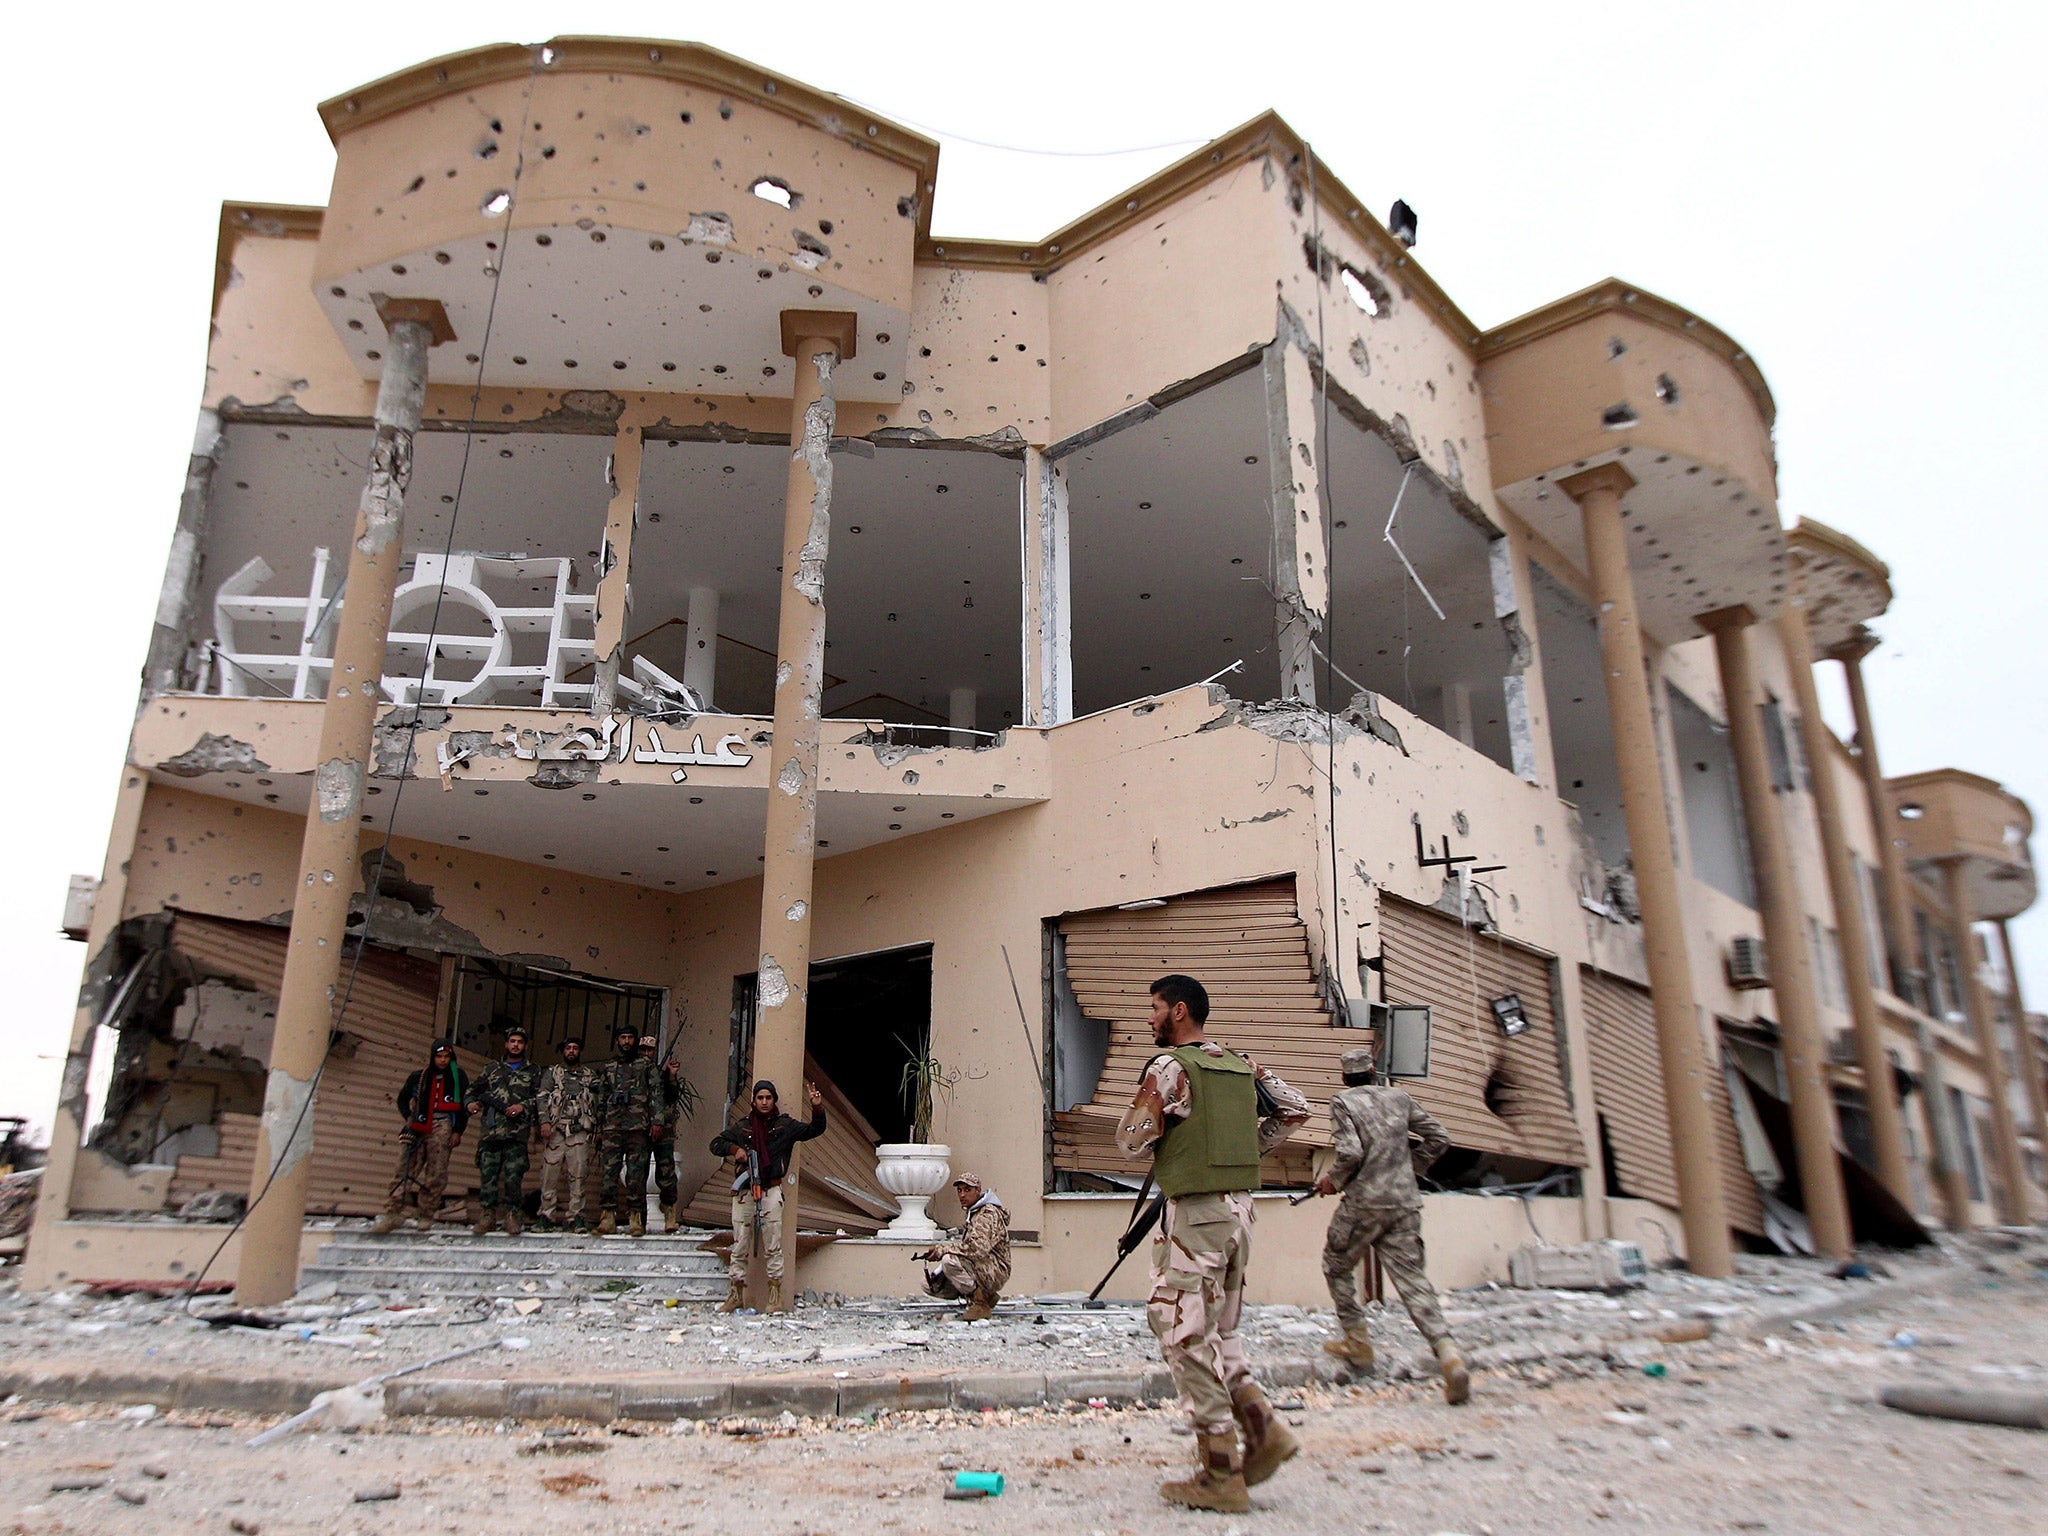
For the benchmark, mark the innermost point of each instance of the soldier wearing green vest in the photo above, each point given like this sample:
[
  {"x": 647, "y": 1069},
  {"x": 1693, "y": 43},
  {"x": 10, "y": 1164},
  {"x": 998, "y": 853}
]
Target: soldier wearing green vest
[{"x": 1198, "y": 1111}]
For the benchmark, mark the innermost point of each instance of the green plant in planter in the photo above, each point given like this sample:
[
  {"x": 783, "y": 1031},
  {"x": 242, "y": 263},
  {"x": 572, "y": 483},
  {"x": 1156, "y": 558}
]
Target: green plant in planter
[{"x": 925, "y": 1082}]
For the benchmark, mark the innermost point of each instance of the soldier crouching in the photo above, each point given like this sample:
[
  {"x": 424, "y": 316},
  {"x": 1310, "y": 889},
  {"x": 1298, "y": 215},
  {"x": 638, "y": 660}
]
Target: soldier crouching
[
  {"x": 977, "y": 1267},
  {"x": 1199, "y": 1106},
  {"x": 1381, "y": 1210}
]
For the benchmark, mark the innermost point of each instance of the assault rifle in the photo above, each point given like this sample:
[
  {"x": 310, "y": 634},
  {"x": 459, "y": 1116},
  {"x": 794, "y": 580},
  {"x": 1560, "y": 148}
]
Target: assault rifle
[{"x": 749, "y": 1179}]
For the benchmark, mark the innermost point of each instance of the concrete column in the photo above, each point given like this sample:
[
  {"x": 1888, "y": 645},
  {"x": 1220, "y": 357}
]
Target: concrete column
[
  {"x": 1048, "y": 638},
  {"x": 1792, "y": 962},
  {"x": 1908, "y": 980},
  {"x": 2030, "y": 1060},
  {"x": 46, "y": 1254},
  {"x": 1458, "y": 711},
  {"x": 311, "y": 991},
  {"x": 1880, "y": 1091},
  {"x": 819, "y": 341},
  {"x": 1681, "y": 1052},
  {"x": 2016, "y": 1207},
  {"x": 700, "y": 663},
  {"x": 614, "y": 569},
  {"x": 170, "y": 637},
  {"x": 1299, "y": 558},
  {"x": 960, "y": 716}
]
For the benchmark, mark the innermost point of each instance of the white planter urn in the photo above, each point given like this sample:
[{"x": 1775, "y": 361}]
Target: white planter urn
[{"x": 912, "y": 1171}]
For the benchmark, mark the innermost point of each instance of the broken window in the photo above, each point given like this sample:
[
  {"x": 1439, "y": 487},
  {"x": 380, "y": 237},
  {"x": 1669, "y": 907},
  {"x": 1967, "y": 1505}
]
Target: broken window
[
  {"x": 1778, "y": 746},
  {"x": 1714, "y": 821},
  {"x": 1581, "y": 736}
]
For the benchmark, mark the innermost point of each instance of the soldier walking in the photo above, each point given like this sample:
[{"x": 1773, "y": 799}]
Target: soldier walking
[
  {"x": 568, "y": 1116},
  {"x": 505, "y": 1095},
  {"x": 758, "y": 1148},
  {"x": 1381, "y": 1209},
  {"x": 631, "y": 1117},
  {"x": 1199, "y": 1106},
  {"x": 435, "y": 1118}
]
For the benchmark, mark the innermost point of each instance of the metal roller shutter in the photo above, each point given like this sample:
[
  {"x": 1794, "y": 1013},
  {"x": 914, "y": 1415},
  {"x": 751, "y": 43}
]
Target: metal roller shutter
[
  {"x": 1435, "y": 959},
  {"x": 1248, "y": 945},
  {"x": 1628, "y": 1087}
]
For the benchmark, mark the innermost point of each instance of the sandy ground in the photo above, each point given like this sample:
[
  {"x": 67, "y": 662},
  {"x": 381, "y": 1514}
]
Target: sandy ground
[{"x": 1779, "y": 1434}]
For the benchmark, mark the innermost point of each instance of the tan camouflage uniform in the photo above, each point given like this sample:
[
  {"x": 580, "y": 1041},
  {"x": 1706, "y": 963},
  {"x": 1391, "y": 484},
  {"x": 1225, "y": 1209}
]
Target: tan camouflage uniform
[
  {"x": 1203, "y": 1245},
  {"x": 979, "y": 1262},
  {"x": 1380, "y": 1206},
  {"x": 568, "y": 1109}
]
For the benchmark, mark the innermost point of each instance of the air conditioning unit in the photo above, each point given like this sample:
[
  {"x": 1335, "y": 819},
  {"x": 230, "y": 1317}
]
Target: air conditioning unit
[
  {"x": 1746, "y": 966},
  {"x": 1608, "y": 1266}
]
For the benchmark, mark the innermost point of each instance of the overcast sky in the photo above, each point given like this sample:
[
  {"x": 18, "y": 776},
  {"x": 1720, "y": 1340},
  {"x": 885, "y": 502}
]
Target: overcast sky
[{"x": 1855, "y": 192}]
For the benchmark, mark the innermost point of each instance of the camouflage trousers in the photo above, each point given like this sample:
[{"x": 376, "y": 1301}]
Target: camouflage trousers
[
  {"x": 953, "y": 1278},
  {"x": 1398, "y": 1237},
  {"x": 501, "y": 1163},
  {"x": 743, "y": 1235},
  {"x": 621, "y": 1175},
  {"x": 565, "y": 1176},
  {"x": 1198, "y": 1267},
  {"x": 422, "y": 1175}
]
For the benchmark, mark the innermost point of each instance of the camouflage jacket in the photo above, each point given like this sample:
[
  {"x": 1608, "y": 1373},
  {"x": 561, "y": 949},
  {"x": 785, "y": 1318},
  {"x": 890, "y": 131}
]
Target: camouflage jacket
[
  {"x": 984, "y": 1241},
  {"x": 496, "y": 1089},
  {"x": 629, "y": 1096},
  {"x": 568, "y": 1098},
  {"x": 1375, "y": 1166}
]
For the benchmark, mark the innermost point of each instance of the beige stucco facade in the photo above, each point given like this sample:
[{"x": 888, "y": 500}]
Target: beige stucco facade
[{"x": 1112, "y": 621}]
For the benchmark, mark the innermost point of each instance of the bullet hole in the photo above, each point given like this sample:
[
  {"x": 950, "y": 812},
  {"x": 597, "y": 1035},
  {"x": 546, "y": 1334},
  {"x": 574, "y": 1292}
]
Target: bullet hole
[
  {"x": 1144, "y": 506},
  {"x": 543, "y": 239},
  {"x": 618, "y": 363},
  {"x": 667, "y": 368},
  {"x": 519, "y": 361},
  {"x": 657, "y": 245},
  {"x": 414, "y": 186},
  {"x": 398, "y": 269},
  {"x": 597, "y": 237},
  {"x": 892, "y": 618},
  {"x": 496, "y": 203},
  {"x": 1911, "y": 811},
  {"x": 355, "y": 325},
  {"x": 548, "y": 856},
  {"x": 1144, "y": 597},
  {"x": 773, "y": 189},
  {"x": 374, "y": 356},
  {"x": 683, "y": 117},
  {"x": 547, "y": 152},
  {"x": 1618, "y": 418},
  {"x": 1251, "y": 458},
  {"x": 943, "y": 489},
  {"x": 880, "y": 336},
  {"x": 906, "y": 207},
  {"x": 339, "y": 293},
  {"x": 442, "y": 258},
  {"x": 1667, "y": 389},
  {"x": 1343, "y": 522},
  {"x": 1236, "y": 560},
  {"x": 568, "y": 362},
  {"x": 1616, "y": 348}
]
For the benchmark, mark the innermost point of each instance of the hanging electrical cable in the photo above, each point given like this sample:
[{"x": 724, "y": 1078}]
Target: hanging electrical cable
[{"x": 373, "y": 886}]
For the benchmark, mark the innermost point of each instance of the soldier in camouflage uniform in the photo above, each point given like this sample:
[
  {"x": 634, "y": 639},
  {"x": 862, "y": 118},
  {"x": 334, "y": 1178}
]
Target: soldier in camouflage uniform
[
  {"x": 1199, "y": 1106},
  {"x": 568, "y": 1116},
  {"x": 1381, "y": 1209},
  {"x": 663, "y": 1146},
  {"x": 506, "y": 1095},
  {"x": 631, "y": 1117}
]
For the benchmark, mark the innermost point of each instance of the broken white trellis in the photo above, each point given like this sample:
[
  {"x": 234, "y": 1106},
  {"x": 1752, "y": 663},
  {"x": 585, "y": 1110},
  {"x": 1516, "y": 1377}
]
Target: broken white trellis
[{"x": 484, "y": 647}]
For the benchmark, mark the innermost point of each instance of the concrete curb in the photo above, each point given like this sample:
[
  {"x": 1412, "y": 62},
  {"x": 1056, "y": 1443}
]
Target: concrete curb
[{"x": 602, "y": 1400}]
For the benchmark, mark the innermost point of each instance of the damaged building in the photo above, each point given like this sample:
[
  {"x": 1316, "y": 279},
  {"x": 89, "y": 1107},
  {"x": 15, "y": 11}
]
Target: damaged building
[{"x": 630, "y": 570}]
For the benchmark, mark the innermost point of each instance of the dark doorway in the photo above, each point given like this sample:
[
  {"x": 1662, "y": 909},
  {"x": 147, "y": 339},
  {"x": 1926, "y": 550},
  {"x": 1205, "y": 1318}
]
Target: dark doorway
[{"x": 869, "y": 1017}]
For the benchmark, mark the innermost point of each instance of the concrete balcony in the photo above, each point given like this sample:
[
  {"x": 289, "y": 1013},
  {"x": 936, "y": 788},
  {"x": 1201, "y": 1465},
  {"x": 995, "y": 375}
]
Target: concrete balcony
[
  {"x": 1846, "y": 585},
  {"x": 1948, "y": 814},
  {"x": 641, "y": 212},
  {"x": 669, "y": 804},
  {"x": 1617, "y": 375}
]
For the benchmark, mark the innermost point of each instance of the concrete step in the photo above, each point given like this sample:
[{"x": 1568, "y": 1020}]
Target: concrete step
[
  {"x": 610, "y": 1255},
  {"x": 432, "y": 1281}
]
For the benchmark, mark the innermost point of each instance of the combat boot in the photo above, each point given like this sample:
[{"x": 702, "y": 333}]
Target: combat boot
[
  {"x": 1457, "y": 1380},
  {"x": 607, "y": 1224},
  {"x": 638, "y": 1225},
  {"x": 386, "y": 1224},
  {"x": 1218, "y": 1482},
  {"x": 1267, "y": 1439},
  {"x": 483, "y": 1224},
  {"x": 979, "y": 1305},
  {"x": 511, "y": 1223},
  {"x": 668, "y": 1216},
  {"x": 774, "y": 1296},
  {"x": 735, "y": 1297},
  {"x": 542, "y": 1222},
  {"x": 1355, "y": 1346}
]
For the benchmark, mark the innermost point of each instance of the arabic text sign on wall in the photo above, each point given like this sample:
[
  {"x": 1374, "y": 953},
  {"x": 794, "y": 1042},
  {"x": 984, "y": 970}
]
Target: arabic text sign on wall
[{"x": 612, "y": 742}]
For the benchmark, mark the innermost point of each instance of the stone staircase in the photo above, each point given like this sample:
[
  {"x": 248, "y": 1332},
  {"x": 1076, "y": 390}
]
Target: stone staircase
[{"x": 426, "y": 1265}]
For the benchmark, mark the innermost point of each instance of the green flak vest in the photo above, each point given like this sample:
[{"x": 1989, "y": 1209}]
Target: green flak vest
[{"x": 1216, "y": 1148}]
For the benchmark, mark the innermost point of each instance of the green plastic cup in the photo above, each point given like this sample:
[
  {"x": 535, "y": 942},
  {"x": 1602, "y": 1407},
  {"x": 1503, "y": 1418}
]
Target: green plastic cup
[{"x": 990, "y": 1483}]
